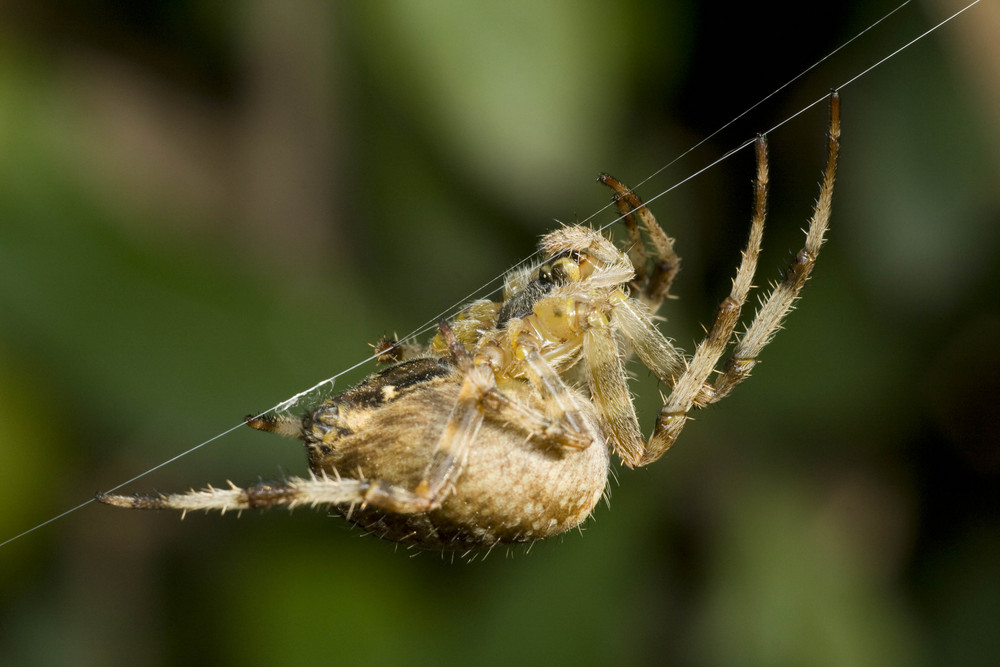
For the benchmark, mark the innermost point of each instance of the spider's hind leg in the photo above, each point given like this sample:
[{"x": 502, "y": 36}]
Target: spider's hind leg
[
  {"x": 285, "y": 425},
  {"x": 313, "y": 491}
]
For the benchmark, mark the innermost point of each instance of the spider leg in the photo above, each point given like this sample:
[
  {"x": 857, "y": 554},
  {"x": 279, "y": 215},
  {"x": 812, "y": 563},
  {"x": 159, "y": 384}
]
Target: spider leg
[
  {"x": 280, "y": 424},
  {"x": 782, "y": 298},
  {"x": 610, "y": 393},
  {"x": 691, "y": 384},
  {"x": 657, "y": 353},
  {"x": 453, "y": 448},
  {"x": 651, "y": 288},
  {"x": 456, "y": 440},
  {"x": 541, "y": 428},
  {"x": 691, "y": 389},
  {"x": 296, "y": 491},
  {"x": 560, "y": 401},
  {"x": 443, "y": 470}
]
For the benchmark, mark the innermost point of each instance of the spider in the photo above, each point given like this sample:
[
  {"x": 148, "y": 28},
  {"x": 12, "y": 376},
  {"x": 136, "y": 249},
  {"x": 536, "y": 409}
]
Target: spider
[{"x": 501, "y": 429}]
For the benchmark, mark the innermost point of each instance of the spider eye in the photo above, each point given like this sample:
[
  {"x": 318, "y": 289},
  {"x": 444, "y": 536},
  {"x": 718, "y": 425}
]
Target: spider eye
[
  {"x": 561, "y": 269},
  {"x": 565, "y": 271}
]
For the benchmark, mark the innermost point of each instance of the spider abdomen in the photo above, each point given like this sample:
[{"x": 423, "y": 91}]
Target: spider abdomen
[{"x": 512, "y": 487}]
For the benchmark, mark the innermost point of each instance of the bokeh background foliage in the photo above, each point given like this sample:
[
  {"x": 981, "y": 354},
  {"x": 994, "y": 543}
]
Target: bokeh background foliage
[{"x": 206, "y": 207}]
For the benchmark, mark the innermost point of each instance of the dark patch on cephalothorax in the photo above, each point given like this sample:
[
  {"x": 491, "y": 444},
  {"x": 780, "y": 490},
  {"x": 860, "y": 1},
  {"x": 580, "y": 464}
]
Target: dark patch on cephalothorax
[
  {"x": 522, "y": 303},
  {"x": 544, "y": 279}
]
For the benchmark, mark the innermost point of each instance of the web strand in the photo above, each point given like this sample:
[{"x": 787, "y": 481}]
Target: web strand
[{"x": 482, "y": 290}]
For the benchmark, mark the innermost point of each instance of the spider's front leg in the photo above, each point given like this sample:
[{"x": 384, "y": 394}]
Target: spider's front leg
[
  {"x": 652, "y": 281},
  {"x": 610, "y": 393}
]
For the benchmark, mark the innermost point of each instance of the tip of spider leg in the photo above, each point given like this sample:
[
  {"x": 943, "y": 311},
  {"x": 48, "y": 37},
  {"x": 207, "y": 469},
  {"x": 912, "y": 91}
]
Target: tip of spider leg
[
  {"x": 613, "y": 183},
  {"x": 290, "y": 427},
  {"x": 129, "y": 502},
  {"x": 112, "y": 499},
  {"x": 260, "y": 422}
]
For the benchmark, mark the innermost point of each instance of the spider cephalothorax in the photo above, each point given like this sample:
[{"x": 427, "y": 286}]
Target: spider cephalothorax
[{"x": 501, "y": 429}]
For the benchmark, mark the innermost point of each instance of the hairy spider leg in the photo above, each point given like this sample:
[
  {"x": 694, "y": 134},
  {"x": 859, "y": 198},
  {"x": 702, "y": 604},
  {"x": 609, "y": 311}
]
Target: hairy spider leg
[
  {"x": 781, "y": 300},
  {"x": 608, "y": 381},
  {"x": 691, "y": 389},
  {"x": 651, "y": 287},
  {"x": 690, "y": 385},
  {"x": 610, "y": 393}
]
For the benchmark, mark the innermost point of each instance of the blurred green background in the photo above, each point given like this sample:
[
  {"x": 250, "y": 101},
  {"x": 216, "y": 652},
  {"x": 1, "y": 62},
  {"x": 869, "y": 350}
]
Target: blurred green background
[{"x": 206, "y": 207}]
